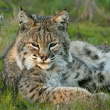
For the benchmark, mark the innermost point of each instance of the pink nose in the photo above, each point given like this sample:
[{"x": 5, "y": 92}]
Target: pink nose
[{"x": 43, "y": 58}]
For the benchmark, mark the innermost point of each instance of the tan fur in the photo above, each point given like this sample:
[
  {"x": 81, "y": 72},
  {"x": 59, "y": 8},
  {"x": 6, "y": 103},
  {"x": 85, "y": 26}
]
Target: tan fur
[{"x": 12, "y": 57}]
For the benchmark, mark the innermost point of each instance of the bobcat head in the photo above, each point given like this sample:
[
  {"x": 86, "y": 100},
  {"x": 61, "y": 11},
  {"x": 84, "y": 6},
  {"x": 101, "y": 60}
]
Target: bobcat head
[{"x": 42, "y": 44}]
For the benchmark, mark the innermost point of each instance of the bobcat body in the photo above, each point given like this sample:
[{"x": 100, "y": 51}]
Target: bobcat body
[
  {"x": 93, "y": 57},
  {"x": 42, "y": 65}
]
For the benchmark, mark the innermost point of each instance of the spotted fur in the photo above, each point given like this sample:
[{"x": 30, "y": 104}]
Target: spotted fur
[
  {"x": 92, "y": 57},
  {"x": 41, "y": 66}
]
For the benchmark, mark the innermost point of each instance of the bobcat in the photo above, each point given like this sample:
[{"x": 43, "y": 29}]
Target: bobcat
[{"x": 41, "y": 64}]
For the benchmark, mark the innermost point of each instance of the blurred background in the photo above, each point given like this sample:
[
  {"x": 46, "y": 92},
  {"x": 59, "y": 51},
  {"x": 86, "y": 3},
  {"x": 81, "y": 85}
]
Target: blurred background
[{"x": 89, "y": 20}]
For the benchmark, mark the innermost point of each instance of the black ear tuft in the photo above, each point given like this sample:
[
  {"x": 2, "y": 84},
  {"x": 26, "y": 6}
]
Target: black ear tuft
[
  {"x": 65, "y": 8},
  {"x": 21, "y": 8}
]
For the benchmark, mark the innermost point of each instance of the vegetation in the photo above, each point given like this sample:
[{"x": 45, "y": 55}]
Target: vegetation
[{"x": 89, "y": 21}]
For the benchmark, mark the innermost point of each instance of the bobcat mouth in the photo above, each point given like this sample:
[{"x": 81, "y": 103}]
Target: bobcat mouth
[{"x": 44, "y": 65}]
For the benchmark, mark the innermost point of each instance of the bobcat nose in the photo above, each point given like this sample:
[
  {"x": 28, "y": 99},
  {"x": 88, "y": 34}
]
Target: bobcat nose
[{"x": 43, "y": 58}]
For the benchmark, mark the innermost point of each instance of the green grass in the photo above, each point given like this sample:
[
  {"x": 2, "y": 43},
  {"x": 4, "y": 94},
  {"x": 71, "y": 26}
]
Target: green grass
[
  {"x": 93, "y": 32},
  {"x": 9, "y": 100},
  {"x": 89, "y": 32}
]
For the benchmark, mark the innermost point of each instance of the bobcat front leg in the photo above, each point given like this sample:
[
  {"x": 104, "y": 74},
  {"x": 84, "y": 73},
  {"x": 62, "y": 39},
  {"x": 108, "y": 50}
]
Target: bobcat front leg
[
  {"x": 55, "y": 95},
  {"x": 33, "y": 87}
]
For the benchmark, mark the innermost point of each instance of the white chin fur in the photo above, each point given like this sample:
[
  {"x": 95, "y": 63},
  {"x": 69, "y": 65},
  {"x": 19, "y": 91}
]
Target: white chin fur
[{"x": 44, "y": 66}]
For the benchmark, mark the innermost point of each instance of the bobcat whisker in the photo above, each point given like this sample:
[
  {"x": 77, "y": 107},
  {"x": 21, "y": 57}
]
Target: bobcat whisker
[
  {"x": 52, "y": 58},
  {"x": 34, "y": 58}
]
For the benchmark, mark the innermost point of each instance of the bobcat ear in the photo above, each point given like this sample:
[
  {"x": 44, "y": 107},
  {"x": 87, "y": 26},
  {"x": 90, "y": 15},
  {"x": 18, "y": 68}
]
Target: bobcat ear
[
  {"x": 25, "y": 21},
  {"x": 61, "y": 18}
]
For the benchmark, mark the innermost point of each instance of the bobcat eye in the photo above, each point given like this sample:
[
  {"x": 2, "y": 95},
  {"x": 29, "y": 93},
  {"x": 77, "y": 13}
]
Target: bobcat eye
[
  {"x": 52, "y": 45},
  {"x": 35, "y": 45}
]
